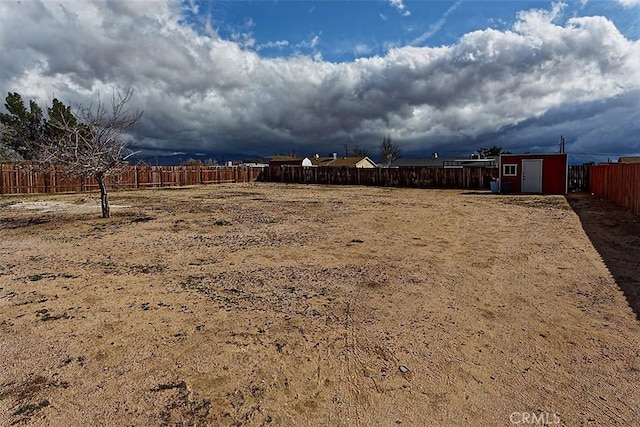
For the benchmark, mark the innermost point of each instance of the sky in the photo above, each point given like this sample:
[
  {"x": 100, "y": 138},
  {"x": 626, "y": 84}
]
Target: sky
[{"x": 264, "y": 78}]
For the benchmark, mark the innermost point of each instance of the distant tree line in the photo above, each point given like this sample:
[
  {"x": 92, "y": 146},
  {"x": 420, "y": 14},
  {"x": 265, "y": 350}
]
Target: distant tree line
[
  {"x": 494, "y": 151},
  {"x": 197, "y": 162}
]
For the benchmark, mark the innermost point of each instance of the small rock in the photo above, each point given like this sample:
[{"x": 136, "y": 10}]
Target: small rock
[{"x": 403, "y": 369}]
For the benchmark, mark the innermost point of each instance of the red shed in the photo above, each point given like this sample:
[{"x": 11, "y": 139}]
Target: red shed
[{"x": 534, "y": 173}]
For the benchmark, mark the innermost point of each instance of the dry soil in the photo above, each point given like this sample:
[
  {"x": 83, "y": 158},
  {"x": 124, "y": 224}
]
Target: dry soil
[{"x": 287, "y": 305}]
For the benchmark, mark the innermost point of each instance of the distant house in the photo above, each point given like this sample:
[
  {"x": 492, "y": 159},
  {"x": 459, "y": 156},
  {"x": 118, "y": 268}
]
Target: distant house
[
  {"x": 446, "y": 162},
  {"x": 254, "y": 164},
  {"x": 629, "y": 159},
  {"x": 427, "y": 162},
  {"x": 335, "y": 161},
  {"x": 534, "y": 173},
  {"x": 285, "y": 161}
]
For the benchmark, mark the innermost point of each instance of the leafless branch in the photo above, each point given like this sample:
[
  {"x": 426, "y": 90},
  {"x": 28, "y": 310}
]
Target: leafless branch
[{"x": 93, "y": 145}]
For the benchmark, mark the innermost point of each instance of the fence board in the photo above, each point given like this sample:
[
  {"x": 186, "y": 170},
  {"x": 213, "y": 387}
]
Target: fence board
[
  {"x": 421, "y": 177},
  {"x": 26, "y": 179},
  {"x": 619, "y": 183}
]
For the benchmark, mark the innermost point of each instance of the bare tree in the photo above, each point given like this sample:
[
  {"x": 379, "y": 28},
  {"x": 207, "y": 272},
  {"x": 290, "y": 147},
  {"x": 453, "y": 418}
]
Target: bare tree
[
  {"x": 389, "y": 150},
  {"x": 359, "y": 152},
  {"x": 91, "y": 142},
  {"x": 191, "y": 162},
  {"x": 494, "y": 151}
]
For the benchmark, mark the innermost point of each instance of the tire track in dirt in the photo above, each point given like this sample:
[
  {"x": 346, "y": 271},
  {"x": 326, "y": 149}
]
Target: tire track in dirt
[{"x": 260, "y": 304}]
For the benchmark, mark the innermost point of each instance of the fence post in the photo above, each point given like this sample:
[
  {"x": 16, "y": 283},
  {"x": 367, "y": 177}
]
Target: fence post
[{"x": 135, "y": 171}]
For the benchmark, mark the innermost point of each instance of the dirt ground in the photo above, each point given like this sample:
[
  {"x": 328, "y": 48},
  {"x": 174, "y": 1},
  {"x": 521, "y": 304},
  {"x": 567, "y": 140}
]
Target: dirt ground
[{"x": 287, "y": 305}]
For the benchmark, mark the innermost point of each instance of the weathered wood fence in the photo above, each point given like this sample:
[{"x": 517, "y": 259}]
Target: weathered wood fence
[
  {"x": 619, "y": 183},
  {"x": 579, "y": 177},
  {"x": 24, "y": 179},
  {"x": 423, "y": 177}
]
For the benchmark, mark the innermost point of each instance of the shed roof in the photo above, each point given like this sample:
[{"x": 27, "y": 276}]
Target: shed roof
[{"x": 532, "y": 155}]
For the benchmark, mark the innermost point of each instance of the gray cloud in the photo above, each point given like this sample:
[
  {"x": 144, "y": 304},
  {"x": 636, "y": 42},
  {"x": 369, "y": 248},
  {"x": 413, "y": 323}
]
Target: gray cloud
[{"x": 201, "y": 93}]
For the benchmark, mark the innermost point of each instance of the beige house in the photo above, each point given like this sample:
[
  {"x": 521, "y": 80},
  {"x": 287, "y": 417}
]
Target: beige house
[{"x": 335, "y": 161}]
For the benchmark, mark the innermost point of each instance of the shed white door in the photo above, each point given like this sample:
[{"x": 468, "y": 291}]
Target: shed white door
[{"x": 532, "y": 176}]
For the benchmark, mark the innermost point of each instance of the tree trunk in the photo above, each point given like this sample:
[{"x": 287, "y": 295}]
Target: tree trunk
[{"x": 104, "y": 197}]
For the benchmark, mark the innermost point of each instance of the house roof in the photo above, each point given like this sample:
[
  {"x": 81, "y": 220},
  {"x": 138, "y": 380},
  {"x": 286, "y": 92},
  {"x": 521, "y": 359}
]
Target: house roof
[
  {"x": 349, "y": 161},
  {"x": 629, "y": 159},
  {"x": 428, "y": 162},
  {"x": 475, "y": 163},
  {"x": 339, "y": 161},
  {"x": 439, "y": 162},
  {"x": 286, "y": 161},
  {"x": 321, "y": 161}
]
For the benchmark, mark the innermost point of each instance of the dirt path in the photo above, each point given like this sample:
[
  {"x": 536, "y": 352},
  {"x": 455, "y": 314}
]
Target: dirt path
[{"x": 309, "y": 305}]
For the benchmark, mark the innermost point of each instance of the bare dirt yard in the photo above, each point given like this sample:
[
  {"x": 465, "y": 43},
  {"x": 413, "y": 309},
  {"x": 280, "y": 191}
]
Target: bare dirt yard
[{"x": 287, "y": 305}]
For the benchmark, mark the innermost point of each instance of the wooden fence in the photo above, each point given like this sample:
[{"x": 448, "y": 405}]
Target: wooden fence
[
  {"x": 619, "y": 183},
  {"x": 423, "y": 177},
  {"x": 24, "y": 179},
  {"x": 579, "y": 177}
]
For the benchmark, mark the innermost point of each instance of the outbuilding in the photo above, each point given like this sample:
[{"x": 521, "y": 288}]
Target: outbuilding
[{"x": 534, "y": 173}]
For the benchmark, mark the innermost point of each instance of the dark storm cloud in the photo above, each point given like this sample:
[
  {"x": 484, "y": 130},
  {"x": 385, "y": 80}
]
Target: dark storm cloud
[{"x": 202, "y": 93}]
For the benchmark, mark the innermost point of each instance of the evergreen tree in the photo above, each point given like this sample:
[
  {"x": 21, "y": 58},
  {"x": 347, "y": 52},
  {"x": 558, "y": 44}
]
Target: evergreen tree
[
  {"x": 58, "y": 113},
  {"x": 25, "y": 127}
]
